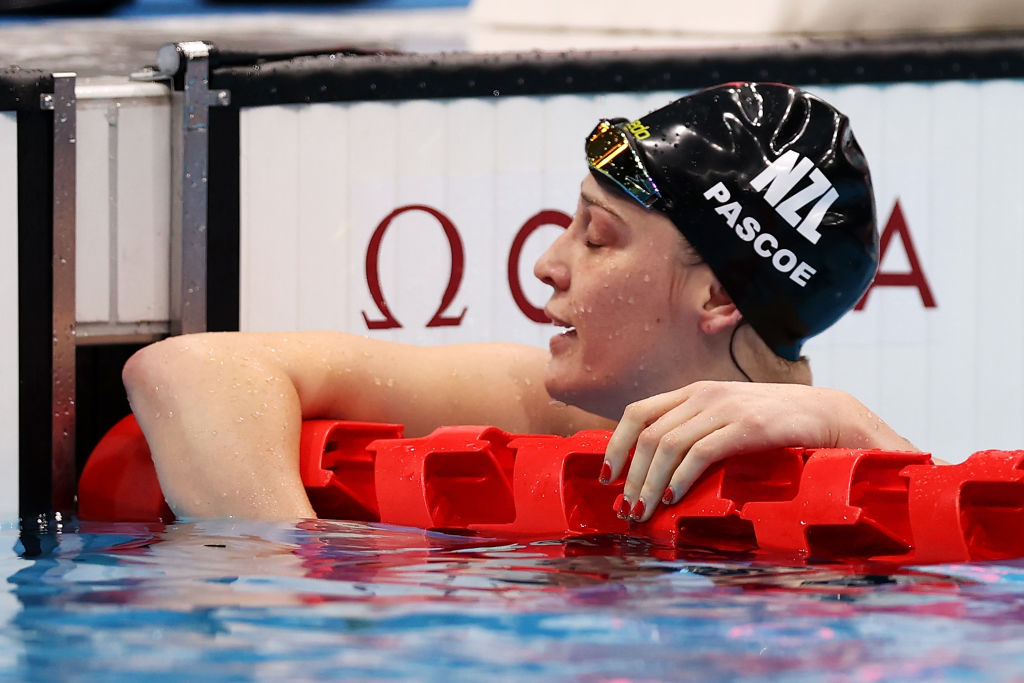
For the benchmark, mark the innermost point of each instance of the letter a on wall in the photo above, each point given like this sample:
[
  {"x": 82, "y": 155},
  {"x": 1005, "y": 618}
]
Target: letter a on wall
[{"x": 915, "y": 277}]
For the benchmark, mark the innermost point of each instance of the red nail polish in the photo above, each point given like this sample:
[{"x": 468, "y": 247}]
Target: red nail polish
[
  {"x": 606, "y": 473},
  {"x": 638, "y": 510},
  {"x": 621, "y": 507},
  {"x": 668, "y": 496}
]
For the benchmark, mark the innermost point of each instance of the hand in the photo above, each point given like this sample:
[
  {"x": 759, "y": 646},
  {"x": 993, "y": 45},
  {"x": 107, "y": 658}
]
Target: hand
[{"x": 679, "y": 434}]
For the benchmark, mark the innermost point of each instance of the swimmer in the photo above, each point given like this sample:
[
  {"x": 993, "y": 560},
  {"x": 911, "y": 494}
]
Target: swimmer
[{"x": 711, "y": 238}]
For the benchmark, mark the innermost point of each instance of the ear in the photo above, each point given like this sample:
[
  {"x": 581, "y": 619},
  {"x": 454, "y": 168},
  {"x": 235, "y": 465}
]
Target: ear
[{"x": 719, "y": 311}]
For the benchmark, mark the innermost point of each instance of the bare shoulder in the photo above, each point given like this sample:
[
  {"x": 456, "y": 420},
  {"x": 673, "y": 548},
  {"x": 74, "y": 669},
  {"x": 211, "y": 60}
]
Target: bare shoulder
[{"x": 424, "y": 387}]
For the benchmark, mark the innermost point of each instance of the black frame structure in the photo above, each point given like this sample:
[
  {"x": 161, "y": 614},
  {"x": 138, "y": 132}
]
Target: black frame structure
[
  {"x": 45, "y": 108},
  {"x": 230, "y": 81}
]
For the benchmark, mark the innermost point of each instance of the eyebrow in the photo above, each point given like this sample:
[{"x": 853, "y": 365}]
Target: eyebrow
[{"x": 597, "y": 201}]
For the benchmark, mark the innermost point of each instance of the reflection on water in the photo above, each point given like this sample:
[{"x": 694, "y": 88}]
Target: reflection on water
[{"x": 319, "y": 599}]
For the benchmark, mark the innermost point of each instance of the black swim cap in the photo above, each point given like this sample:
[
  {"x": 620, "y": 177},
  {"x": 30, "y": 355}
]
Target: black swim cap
[{"x": 768, "y": 184}]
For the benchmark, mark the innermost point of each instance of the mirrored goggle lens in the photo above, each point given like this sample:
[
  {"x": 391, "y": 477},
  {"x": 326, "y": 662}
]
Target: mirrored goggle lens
[{"x": 609, "y": 152}]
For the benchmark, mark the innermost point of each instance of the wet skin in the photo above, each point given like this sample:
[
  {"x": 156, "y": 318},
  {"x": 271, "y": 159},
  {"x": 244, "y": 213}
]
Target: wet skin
[{"x": 629, "y": 291}]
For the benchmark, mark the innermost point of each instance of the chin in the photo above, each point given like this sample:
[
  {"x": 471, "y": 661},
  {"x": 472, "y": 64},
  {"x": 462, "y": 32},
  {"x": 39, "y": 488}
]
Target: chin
[{"x": 588, "y": 398}]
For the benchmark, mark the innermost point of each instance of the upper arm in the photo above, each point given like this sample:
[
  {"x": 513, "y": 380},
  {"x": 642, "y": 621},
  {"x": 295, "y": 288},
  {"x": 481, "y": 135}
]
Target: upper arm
[{"x": 344, "y": 376}]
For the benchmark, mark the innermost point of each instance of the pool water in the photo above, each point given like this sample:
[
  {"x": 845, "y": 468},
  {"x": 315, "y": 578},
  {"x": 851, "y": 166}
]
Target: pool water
[{"x": 321, "y": 600}]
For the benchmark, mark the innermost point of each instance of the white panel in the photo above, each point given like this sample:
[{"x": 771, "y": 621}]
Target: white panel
[
  {"x": 520, "y": 192},
  {"x": 143, "y": 210},
  {"x": 9, "y": 372},
  {"x": 997, "y": 227},
  {"x": 416, "y": 249},
  {"x": 269, "y": 197},
  {"x": 92, "y": 210},
  {"x": 373, "y": 194},
  {"x": 323, "y": 216},
  {"x": 317, "y": 181},
  {"x": 895, "y": 316},
  {"x": 122, "y": 204},
  {"x": 470, "y": 200},
  {"x": 947, "y": 221}
]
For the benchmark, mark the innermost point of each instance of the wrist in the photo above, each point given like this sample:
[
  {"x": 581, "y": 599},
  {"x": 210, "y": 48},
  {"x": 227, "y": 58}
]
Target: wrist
[{"x": 856, "y": 426}]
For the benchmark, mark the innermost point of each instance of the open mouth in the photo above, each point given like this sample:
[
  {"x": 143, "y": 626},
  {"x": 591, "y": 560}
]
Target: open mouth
[
  {"x": 557, "y": 322},
  {"x": 568, "y": 332}
]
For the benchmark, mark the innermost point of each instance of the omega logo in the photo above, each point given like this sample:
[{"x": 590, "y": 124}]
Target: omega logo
[{"x": 442, "y": 316}]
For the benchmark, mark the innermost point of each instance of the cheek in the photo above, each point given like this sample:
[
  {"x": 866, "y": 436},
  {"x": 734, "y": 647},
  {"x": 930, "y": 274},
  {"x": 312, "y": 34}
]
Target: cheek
[{"x": 630, "y": 309}]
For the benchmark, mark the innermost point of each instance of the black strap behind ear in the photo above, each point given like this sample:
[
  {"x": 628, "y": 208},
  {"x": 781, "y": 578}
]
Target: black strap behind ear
[{"x": 732, "y": 354}]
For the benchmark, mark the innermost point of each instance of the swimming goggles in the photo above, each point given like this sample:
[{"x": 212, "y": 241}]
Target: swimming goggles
[{"x": 610, "y": 153}]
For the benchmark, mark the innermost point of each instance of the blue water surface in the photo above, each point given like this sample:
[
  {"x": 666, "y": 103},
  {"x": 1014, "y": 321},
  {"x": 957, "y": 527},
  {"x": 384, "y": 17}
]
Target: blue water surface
[{"x": 229, "y": 600}]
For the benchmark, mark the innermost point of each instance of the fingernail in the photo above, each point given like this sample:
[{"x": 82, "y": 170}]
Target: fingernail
[
  {"x": 638, "y": 510},
  {"x": 668, "y": 496},
  {"x": 621, "y": 507},
  {"x": 606, "y": 473}
]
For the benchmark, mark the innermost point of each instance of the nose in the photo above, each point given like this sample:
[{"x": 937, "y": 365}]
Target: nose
[{"x": 551, "y": 268}]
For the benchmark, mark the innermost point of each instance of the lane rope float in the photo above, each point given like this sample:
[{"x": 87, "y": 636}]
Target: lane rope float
[{"x": 829, "y": 504}]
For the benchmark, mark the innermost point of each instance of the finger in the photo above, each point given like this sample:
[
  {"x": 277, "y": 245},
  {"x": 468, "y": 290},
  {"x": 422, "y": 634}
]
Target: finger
[
  {"x": 708, "y": 450},
  {"x": 675, "y": 448},
  {"x": 635, "y": 419},
  {"x": 670, "y": 435}
]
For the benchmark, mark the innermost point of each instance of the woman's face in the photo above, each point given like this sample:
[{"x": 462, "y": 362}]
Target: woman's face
[{"x": 627, "y": 288}]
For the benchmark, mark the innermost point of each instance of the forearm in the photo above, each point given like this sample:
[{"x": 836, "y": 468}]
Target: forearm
[
  {"x": 222, "y": 419},
  {"x": 858, "y": 427}
]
